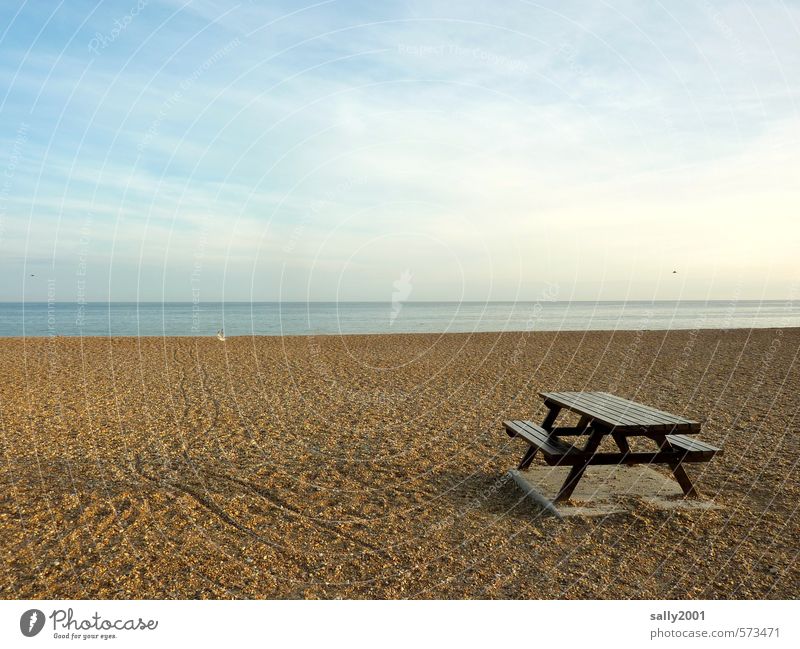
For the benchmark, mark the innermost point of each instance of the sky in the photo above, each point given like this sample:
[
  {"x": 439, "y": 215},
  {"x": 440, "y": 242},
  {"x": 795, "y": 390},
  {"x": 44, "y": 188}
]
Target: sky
[{"x": 513, "y": 150}]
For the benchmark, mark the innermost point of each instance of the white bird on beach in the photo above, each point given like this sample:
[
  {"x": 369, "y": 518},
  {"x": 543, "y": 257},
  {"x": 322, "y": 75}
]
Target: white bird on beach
[{"x": 221, "y": 335}]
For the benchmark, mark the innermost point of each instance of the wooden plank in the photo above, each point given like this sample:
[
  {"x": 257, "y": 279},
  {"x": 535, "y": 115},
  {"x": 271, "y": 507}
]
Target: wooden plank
[
  {"x": 573, "y": 403},
  {"x": 619, "y": 413},
  {"x": 693, "y": 445},
  {"x": 646, "y": 411},
  {"x": 659, "y": 457},
  {"x": 568, "y": 431},
  {"x": 577, "y": 403},
  {"x": 623, "y": 408},
  {"x": 623, "y": 423},
  {"x": 540, "y": 436},
  {"x": 537, "y": 435},
  {"x": 638, "y": 410}
]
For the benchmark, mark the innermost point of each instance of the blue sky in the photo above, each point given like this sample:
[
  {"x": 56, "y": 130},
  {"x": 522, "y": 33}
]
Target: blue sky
[{"x": 286, "y": 150}]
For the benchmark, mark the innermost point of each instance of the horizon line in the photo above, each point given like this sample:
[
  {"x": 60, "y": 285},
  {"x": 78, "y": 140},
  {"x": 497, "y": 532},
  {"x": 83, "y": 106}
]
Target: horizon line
[{"x": 521, "y": 301}]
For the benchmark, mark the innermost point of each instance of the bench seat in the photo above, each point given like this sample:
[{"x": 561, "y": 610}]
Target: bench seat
[
  {"x": 554, "y": 450},
  {"x": 699, "y": 451},
  {"x": 558, "y": 452}
]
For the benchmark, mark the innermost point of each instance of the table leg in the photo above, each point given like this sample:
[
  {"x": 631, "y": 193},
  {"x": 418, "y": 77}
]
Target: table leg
[
  {"x": 622, "y": 444},
  {"x": 677, "y": 468},
  {"x": 550, "y": 419},
  {"x": 576, "y": 472},
  {"x": 527, "y": 458},
  {"x": 683, "y": 480}
]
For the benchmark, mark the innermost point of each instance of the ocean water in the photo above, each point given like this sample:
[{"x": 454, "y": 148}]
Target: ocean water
[{"x": 300, "y": 318}]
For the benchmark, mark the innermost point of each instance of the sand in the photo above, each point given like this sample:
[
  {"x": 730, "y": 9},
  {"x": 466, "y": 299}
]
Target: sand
[{"x": 376, "y": 466}]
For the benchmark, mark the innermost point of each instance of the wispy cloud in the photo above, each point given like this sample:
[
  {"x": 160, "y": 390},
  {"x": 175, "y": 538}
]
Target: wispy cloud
[{"x": 494, "y": 148}]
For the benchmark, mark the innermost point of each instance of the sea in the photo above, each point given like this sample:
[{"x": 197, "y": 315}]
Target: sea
[{"x": 335, "y": 318}]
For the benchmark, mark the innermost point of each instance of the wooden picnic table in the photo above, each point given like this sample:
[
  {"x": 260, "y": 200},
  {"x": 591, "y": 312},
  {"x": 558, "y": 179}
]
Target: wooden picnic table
[{"x": 603, "y": 414}]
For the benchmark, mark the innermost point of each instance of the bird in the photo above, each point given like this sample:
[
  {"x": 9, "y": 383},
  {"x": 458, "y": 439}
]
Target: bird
[{"x": 221, "y": 335}]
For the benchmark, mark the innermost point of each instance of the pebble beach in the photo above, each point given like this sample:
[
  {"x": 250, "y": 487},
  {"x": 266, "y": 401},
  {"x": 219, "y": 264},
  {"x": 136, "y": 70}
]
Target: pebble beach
[{"x": 375, "y": 466}]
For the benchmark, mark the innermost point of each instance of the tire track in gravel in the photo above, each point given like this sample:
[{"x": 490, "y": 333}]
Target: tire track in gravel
[
  {"x": 208, "y": 393},
  {"x": 278, "y": 503},
  {"x": 211, "y": 506},
  {"x": 181, "y": 383},
  {"x": 194, "y": 436}
]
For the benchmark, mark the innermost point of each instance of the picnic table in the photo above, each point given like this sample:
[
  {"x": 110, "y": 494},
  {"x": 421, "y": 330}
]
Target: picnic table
[{"x": 601, "y": 415}]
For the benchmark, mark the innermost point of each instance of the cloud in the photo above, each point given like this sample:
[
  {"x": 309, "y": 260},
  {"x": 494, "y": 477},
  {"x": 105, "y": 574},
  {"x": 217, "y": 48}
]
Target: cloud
[{"x": 488, "y": 148}]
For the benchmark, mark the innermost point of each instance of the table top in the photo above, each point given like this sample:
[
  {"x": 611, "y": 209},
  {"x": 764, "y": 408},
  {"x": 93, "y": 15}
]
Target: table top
[{"x": 621, "y": 414}]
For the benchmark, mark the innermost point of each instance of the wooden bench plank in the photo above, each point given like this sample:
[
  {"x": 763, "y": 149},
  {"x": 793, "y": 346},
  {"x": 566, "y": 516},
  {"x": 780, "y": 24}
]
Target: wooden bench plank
[
  {"x": 693, "y": 445},
  {"x": 535, "y": 434}
]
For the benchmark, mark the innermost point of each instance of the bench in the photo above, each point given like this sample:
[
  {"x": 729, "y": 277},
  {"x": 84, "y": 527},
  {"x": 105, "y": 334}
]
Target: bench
[
  {"x": 557, "y": 452},
  {"x": 553, "y": 449},
  {"x": 696, "y": 451}
]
